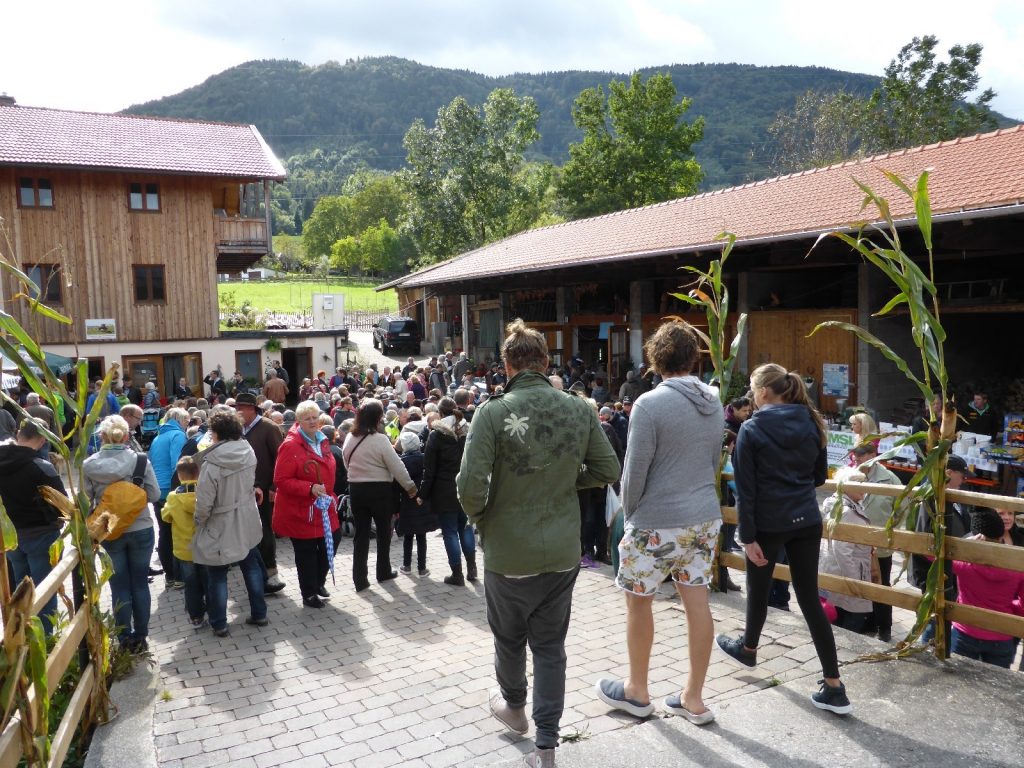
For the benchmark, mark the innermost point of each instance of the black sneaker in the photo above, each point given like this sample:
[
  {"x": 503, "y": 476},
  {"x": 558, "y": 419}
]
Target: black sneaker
[
  {"x": 832, "y": 699},
  {"x": 254, "y": 622},
  {"x": 733, "y": 648}
]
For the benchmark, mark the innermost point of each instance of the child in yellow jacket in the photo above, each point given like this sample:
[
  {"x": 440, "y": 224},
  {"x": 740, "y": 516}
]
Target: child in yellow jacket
[{"x": 179, "y": 511}]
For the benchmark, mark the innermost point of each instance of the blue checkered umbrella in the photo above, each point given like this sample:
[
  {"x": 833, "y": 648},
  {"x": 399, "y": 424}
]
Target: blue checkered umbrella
[{"x": 323, "y": 503}]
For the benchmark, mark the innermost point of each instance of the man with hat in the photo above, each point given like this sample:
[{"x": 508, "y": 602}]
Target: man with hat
[
  {"x": 958, "y": 524},
  {"x": 265, "y": 438}
]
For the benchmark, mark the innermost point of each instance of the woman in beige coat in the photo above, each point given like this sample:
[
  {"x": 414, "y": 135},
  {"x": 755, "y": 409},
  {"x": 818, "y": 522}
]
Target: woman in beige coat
[{"x": 228, "y": 527}]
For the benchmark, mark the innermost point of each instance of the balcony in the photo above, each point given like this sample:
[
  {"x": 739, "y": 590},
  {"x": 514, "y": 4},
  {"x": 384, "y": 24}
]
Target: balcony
[{"x": 241, "y": 242}]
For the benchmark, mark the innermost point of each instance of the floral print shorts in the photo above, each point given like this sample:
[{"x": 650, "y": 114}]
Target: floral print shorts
[{"x": 647, "y": 557}]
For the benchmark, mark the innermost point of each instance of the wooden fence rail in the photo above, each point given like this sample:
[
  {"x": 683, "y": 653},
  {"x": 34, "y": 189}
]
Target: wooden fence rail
[
  {"x": 910, "y": 542},
  {"x": 57, "y": 663}
]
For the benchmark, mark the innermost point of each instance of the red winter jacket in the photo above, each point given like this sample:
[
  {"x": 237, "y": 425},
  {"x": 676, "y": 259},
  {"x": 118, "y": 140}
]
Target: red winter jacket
[{"x": 297, "y": 469}]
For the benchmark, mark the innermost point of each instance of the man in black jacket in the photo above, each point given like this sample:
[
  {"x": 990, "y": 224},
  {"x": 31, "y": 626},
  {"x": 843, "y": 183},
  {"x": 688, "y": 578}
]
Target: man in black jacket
[
  {"x": 958, "y": 525},
  {"x": 22, "y": 471},
  {"x": 265, "y": 438}
]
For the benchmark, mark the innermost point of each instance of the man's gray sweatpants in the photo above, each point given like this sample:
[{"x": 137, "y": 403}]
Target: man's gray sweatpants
[{"x": 534, "y": 610}]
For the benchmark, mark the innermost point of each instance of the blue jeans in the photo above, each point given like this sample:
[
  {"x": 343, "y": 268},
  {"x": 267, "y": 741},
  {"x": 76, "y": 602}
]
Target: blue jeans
[
  {"x": 194, "y": 577},
  {"x": 998, "y": 652},
  {"x": 129, "y": 586},
  {"x": 458, "y": 537},
  {"x": 255, "y": 577},
  {"x": 32, "y": 559}
]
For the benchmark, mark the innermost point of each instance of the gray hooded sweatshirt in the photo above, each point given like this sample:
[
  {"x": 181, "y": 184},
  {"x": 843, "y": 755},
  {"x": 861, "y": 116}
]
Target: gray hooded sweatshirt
[
  {"x": 227, "y": 519},
  {"x": 674, "y": 446}
]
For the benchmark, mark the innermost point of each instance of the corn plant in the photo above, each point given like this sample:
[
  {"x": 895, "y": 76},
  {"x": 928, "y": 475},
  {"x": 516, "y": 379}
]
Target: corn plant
[
  {"x": 25, "y": 645},
  {"x": 709, "y": 292},
  {"x": 880, "y": 246}
]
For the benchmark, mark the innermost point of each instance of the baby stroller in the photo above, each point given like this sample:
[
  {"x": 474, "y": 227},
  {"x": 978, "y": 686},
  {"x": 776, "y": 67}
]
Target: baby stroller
[{"x": 348, "y": 522}]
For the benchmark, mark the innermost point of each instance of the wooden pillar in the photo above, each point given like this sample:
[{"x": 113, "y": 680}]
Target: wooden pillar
[
  {"x": 863, "y": 394},
  {"x": 635, "y": 321},
  {"x": 466, "y": 330},
  {"x": 743, "y": 305}
]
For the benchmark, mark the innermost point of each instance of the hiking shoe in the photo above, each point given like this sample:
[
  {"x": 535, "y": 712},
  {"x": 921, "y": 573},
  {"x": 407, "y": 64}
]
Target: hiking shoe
[
  {"x": 456, "y": 579},
  {"x": 222, "y": 632},
  {"x": 513, "y": 718},
  {"x": 733, "y": 648},
  {"x": 313, "y": 601},
  {"x": 406, "y": 569},
  {"x": 199, "y": 623},
  {"x": 254, "y": 622},
  {"x": 540, "y": 758},
  {"x": 273, "y": 586},
  {"x": 471, "y": 572},
  {"x": 323, "y": 594},
  {"x": 424, "y": 572},
  {"x": 613, "y": 693},
  {"x": 832, "y": 699}
]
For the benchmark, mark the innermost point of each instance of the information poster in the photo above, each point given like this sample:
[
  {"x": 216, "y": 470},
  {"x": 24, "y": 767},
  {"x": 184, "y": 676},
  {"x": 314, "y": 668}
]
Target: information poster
[{"x": 835, "y": 380}]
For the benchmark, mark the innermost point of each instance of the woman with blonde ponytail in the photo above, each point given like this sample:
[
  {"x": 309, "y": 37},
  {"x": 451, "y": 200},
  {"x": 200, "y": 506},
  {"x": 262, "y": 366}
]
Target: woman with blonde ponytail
[{"x": 779, "y": 461}]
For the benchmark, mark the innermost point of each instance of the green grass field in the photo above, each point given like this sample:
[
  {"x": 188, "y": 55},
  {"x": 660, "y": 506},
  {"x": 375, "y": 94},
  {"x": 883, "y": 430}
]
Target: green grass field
[{"x": 297, "y": 296}]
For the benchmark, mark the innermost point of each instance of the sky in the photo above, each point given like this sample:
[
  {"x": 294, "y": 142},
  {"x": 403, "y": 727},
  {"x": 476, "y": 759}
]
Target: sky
[{"x": 107, "y": 55}]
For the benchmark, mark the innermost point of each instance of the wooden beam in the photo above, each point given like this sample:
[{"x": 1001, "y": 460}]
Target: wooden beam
[
  {"x": 48, "y": 587},
  {"x": 982, "y": 617},
  {"x": 72, "y": 716}
]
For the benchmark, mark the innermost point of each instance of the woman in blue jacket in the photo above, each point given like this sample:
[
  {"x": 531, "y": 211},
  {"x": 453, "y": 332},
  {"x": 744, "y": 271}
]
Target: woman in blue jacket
[
  {"x": 164, "y": 454},
  {"x": 779, "y": 461}
]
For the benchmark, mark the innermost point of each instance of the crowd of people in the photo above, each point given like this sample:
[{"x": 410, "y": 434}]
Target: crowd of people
[{"x": 523, "y": 457}]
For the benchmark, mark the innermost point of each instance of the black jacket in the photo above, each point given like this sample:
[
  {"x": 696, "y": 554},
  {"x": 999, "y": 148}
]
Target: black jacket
[
  {"x": 413, "y": 518},
  {"x": 21, "y": 474},
  {"x": 778, "y": 462},
  {"x": 442, "y": 458},
  {"x": 958, "y": 525}
]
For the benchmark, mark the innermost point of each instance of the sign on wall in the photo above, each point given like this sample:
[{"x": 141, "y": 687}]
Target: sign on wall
[
  {"x": 100, "y": 329},
  {"x": 835, "y": 380},
  {"x": 839, "y": 446}
]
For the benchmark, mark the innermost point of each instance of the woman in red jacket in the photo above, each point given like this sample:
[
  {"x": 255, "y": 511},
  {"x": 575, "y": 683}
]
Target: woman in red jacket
[{"x": 304, "y": 472}]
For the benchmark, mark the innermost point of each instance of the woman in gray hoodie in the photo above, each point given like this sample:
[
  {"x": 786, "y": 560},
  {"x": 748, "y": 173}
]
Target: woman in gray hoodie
[{"x": 228, "y": 527}]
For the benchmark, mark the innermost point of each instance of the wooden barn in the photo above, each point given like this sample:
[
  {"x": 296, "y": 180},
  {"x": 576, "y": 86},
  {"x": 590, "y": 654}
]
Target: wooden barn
[
  {"x": 596, "y": 287},
  {"x": 124, "y": 223}
]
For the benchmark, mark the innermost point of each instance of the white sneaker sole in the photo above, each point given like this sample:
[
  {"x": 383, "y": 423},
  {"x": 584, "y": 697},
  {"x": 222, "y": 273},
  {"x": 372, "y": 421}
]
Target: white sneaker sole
[
  {"x": 841, "y": 710},
  {"x": 623, "y": 706}
]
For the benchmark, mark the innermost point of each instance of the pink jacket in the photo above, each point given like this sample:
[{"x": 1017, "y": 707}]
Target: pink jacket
[{"x": 986, "y": 586}]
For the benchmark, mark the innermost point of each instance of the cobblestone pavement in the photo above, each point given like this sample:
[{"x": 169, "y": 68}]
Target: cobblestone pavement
[{"x": 399, "y": 674}]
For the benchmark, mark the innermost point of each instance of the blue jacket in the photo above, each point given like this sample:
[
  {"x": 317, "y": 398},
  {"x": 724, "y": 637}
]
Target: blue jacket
[
  {"x": 779, "y": 461},
  {"x": 165, "y": 452}
]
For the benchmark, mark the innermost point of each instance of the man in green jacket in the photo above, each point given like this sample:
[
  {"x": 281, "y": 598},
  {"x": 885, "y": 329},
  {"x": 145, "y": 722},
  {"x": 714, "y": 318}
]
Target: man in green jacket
[{"x": 527, "y": 452}]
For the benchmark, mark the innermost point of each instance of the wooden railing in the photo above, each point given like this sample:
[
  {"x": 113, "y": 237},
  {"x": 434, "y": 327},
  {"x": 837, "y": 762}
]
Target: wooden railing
[
  {"x": 70, "y": 643},
  {"x": 237, "y": 232},
  {"x": 981, "y": 552}
]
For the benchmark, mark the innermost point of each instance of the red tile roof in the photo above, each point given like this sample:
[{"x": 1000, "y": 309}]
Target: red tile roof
[
  {"x": 53, "y": 137},
  {"x": 973, "y": 173}
]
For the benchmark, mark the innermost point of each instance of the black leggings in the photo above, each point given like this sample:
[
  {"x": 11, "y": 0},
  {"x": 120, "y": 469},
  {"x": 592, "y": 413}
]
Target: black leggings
[{"x": 802, "y": 550}]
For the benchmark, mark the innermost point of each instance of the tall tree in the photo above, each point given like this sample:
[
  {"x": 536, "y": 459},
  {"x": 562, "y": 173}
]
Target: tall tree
[
  {"x": 822, "y": 129},
  {"x": 920, "y": 101},
  {"x": 637, "y": 149},
  {"x": 464, "y": 173}
]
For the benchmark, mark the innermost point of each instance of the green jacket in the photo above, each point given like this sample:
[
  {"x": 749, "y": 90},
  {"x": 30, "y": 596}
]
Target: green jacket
[{"x": 527, "y": 452}]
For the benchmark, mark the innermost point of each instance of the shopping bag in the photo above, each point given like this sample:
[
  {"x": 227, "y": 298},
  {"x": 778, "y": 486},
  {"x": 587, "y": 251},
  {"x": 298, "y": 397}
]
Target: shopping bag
[{"x": 611, "y": 505}]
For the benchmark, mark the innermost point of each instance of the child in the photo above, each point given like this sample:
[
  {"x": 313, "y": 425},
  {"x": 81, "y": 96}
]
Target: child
[
  {"x": 841, "y": 558},
  {"x": 179, "y": 511},
  {"x": 989, "y": 587},
  {"x": 414, "y": 516}
]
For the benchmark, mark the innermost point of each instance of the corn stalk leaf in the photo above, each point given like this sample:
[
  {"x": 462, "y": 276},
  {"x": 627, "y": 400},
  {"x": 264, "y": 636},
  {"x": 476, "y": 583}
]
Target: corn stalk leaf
[
  {"x": 923, "y": 208},
  {"x": 8, "y": 533}
]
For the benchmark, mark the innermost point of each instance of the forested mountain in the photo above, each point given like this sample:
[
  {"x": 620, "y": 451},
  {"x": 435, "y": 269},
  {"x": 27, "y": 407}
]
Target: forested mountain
[{"x": 362, "y": 109}]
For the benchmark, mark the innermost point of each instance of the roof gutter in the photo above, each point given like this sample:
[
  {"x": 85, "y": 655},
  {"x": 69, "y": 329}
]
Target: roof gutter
[{"x": 961, "y": 215}]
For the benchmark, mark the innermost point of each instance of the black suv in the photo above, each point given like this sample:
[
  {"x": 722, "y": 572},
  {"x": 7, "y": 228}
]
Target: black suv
[{"x": 392, "y": 332}]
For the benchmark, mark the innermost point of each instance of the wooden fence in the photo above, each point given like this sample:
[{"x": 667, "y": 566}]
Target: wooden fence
[
  {"x": 982, "y": 552},
  {"x": 70, "y": 643}
]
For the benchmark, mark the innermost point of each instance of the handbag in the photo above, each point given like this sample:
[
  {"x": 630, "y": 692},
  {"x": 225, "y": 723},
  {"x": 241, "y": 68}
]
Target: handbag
[{"x": 122, "y": 501}]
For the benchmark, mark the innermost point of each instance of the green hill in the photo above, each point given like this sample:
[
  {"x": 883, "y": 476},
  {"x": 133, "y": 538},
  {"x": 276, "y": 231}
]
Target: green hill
[{"x": 363, "y": 108}]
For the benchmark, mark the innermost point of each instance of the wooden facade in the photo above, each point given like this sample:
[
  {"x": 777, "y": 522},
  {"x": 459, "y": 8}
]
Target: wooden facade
[{"x": 97, "y": 240}]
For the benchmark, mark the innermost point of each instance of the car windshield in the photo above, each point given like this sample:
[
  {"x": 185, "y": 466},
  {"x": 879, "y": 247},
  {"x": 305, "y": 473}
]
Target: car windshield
[{"x": 403, "y": 326}]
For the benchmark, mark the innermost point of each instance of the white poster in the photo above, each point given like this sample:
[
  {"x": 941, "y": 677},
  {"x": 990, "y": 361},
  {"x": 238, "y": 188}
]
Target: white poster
[
  {"x": 100, "y": 329},
  {"x": 835, "y": 380}
]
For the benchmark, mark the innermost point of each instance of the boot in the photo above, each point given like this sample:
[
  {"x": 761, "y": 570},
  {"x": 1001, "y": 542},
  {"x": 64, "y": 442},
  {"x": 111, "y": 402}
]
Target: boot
[
  {"x": 456, "y": 579},
  {"x": 471, "y": 567}
]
